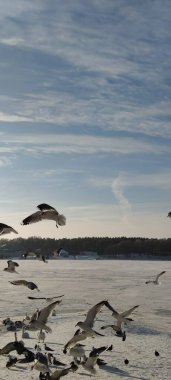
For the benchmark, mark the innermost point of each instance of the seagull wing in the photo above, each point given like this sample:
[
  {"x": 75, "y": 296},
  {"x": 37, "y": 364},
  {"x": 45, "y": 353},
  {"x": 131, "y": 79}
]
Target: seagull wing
[
  {"x": 12, "y": 264},
  {"x": 128, "y": 312},
  {"x": 33, "y": 218},
  {"x": 92, "y": 313},
  {"x": 76, "y": 338},
  {"x": 7, "y": 348},
  {"x": 19, "y": 282},
  {"x": 160, "y": 274},
  {"x": 45, "y": 207},
  {"x": 45, "y": 312}
]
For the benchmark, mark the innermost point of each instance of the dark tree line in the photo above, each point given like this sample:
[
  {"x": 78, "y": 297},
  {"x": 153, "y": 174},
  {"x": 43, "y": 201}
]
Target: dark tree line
[{"x": 103, "y": 246}]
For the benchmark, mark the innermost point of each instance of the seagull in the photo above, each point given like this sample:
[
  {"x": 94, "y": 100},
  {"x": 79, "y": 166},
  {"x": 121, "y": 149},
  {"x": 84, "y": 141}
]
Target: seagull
[
  {"x": 5, "y": 229},
  {"x": 77, "y": 351},
  {"x": 11, "y": 266},
  {"x": 48, "y": 299},
  {"x": 29, "y": 284},
  {"x": 39, "y": 321},
  {"x": 156, "y": 280},
  {"x": 90, "y": 362},
  {"x": 90, "y": 317},
  {"x": 45, "y": 212},
  {"x": 41, "y": 363},
  {"x": 59, "y": 373},
  {"x": 122, "y": 318},
  {"x": 37, "y": 253}
]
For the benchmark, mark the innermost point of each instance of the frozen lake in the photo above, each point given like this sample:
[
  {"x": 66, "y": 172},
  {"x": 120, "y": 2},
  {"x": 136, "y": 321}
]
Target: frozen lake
[{"x": 85, "y": 283}]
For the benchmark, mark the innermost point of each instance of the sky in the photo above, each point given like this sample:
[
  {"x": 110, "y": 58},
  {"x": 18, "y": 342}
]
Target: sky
[{"x": 85, "y": 110}]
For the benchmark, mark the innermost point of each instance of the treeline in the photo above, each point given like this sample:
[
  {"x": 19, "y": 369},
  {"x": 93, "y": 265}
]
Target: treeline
[{"x": 109, "y": 247}]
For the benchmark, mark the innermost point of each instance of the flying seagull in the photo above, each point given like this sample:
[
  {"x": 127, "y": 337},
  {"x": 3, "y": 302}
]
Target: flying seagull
[
  {"x": 88, "y": 323},
  {"x": 37, "y": 253},
  {"x": 78, "y": 336},
  {"x": 41, "y": 317},
  {"x": 5, "y": 229},
  {"x": 11, "y": 266},
  {"x": 29, "y": 284},
  {"x": 121, "y": 318},
  {"x": 156, "y": 280},
  {"x": 45, "y": 212},
  {"x": 48, "y": 299}
]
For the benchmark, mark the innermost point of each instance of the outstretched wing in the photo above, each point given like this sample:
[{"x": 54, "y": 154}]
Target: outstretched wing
[
  {"x": 45, "y": 312},
  {"x": 33, "y": 218},
  {"x": 19, "y": 282},
  {"x": 160, "y": 274},
  {"x": 128, "y": 312},
  {"x": 76, "y": 338},
  {"x": 12, "y": 264},
  {"x": 92, "y": 313}
]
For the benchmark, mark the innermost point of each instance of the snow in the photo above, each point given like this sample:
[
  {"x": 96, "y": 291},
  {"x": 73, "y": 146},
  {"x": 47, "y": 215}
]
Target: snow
[{"x": 85, "y": 283}]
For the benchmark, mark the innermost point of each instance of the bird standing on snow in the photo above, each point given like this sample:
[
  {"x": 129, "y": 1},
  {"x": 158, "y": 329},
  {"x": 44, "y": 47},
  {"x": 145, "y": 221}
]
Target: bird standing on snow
[{"x": 45, "y": 212}]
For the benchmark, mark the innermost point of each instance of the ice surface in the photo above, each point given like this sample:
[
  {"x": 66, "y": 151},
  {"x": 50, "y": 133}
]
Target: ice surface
[{"x": 84, "y": 283}]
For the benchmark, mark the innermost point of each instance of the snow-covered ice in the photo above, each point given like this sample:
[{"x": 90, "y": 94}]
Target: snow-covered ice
[{"x": 85, "y": 283}]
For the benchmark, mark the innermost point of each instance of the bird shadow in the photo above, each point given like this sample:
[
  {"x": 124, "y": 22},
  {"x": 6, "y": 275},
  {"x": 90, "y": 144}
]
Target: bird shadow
[{"x": 118, "y": 371}]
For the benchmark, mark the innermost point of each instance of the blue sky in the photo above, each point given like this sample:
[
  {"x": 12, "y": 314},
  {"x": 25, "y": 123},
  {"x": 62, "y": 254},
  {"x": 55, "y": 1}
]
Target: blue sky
[{"x": 85, "y": 110}]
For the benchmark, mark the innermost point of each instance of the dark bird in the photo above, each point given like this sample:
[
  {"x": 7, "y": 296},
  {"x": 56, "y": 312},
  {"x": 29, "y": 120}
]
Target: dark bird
[
  {"x": 48, "y": 348},
  {"x": 169, "y": 214},
  {"x": 90, "y": 362},
  {"x": 11, "y": 361},
  {"x": 45, "y": 212},
  {"x": 41, "y": 363},
  {"x": 156, "y": 280},
  {"x": 126, "y": 361},
  {"x": 29, "y": 284},
  {"x": 57, "y": 362},
  {"x": 5, "y": 229},
  {"x": 11, "y": 266},
  {"x": 13, "y": 346},
  {"x": 29, "y": 356},
  {"x": 37, "y": 253},
  {"x": 156, "y": 353}
]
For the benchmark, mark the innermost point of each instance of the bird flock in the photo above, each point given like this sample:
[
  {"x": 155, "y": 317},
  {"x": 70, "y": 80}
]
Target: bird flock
[{"x": 42, "y": 359}]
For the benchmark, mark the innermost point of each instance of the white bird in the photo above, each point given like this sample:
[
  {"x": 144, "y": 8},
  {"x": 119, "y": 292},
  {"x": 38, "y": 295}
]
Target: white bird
[
  {"x": 5, "y": 229},
  {"x": 88, "y": 323},
  {"x": 11, "y": 266},
  {"x": 45, "y": 212},
  {"x": 156, "y": 280},
  {"x": 39, "y": 322}
]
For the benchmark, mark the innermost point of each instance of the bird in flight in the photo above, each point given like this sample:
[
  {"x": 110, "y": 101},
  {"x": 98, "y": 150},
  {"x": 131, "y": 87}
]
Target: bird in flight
[
  {"x": 38, "y": 322},
  {"x": 5, "y": 229},
  {"x": 45, "y": 212},
  {"x": 156, "y": 280},
  {"x": 48, "y": 299},
  {"x": 11, "y": 266},
  {"x": 88, "y": 324},
  {"x": 37, "y": 253},
  {"x": 29, "y": 284}
]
